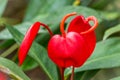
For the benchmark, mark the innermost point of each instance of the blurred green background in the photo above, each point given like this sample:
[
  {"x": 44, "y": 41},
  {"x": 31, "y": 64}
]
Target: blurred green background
[{"x": 16, "y": 16}]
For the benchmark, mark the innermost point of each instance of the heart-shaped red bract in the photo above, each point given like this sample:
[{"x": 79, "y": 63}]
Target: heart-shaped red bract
[
  {"x": 65, "y": 52},
  {"x": 79, "y": 25}
]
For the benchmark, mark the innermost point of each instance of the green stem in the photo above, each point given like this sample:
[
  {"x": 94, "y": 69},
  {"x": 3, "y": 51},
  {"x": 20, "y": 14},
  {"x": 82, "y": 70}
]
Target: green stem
[
  {"x": 14, "y": 57},
  {"x": 9, "y": 51},
  {"x": 11, "y": 21}
]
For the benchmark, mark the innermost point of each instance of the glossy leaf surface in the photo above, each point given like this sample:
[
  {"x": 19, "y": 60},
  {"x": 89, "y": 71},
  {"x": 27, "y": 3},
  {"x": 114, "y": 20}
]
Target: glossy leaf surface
[
  {"x": 111, "y": 31},
  {"x": 12, "y": 70}
]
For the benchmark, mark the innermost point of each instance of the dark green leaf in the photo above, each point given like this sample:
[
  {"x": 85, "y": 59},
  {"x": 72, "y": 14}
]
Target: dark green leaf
[
  {"x": 6, "y": 43},
  {"x": 29, "y": 64},
  {"x": 78, "y": 75},
  {"x": 88, "y": 75},
  {"x": 12, "y": 69},
  {"x": 38, "y": 53},
  {"x": 106, "y": 55},
  {"x": 85, "y": 75}
]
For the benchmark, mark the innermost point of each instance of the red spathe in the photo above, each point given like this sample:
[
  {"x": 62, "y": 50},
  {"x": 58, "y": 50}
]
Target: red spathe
[
  {"x": 79, "y": 24},
  {"x": 66, "y": 52}
]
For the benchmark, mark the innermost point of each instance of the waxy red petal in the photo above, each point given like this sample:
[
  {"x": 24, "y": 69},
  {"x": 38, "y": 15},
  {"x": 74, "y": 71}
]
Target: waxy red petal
[
  {"x": 79, "y": 24},
  {"x": 27, "y": 41},
  {"x": 65, "y": 52}
]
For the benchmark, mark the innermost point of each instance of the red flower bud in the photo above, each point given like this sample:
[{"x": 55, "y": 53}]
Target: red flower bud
[{"x": 28, "y": 40}]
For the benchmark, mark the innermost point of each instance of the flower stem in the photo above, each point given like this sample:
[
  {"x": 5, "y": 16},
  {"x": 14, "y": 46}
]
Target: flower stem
[
  {"x": 72, "y": 75},
  {"x": 9, "y": 51},
  {"x": 50, "y": 32},
  {"x": 62, "y": 72},
  {"x": 63, "y": 21}
]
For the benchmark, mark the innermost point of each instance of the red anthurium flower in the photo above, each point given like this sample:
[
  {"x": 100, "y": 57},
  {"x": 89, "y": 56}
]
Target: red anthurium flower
[{"x": 72, "y": 48}]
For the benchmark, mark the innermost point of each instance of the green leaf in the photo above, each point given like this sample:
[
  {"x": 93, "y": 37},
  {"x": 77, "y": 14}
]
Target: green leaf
[
  {"x": 85, "y": 2},
  {"x": 101, "y": 4},
  {"x": 33, "y": 9},
  {"x": 29, "y": 64},
  {"x": 57, "y": 15},
  {"x": 12, "y": 69},
  {"x": 53, "y": 5},
  {"x": 110, "y": 15},
  {"x": 43, "y": 7},
  {"x": 85, "y": 75},
  {"x": 111, "y": 31},
  {"x": 116, "y": 78},
  {"x": 88, "y": 75},
  {"x": 2, "y": 6},
  {"x": 78, "y": 75},
  {"x": 106, "y": 55},
  {"x": 38, "y": 53},
  {"x": 6, "y": 43}
]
